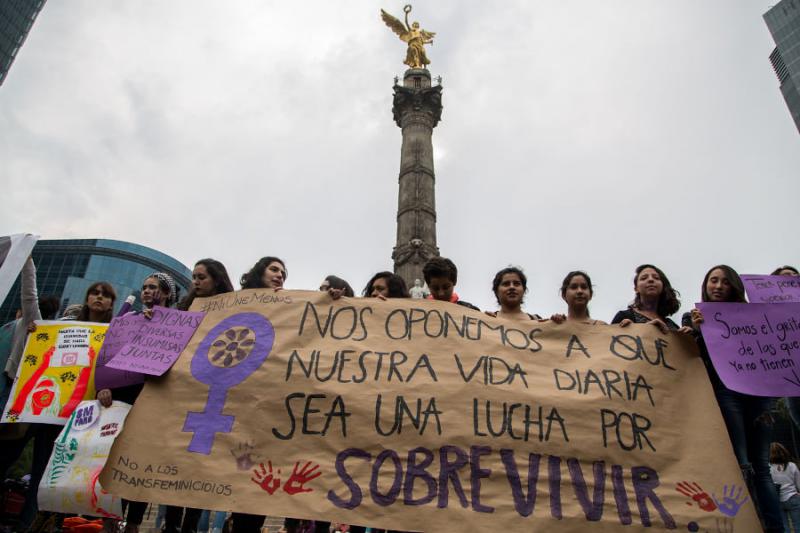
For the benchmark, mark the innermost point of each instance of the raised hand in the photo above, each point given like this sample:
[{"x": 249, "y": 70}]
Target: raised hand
[
  {"x": 730, "y": 503},
  {"x": 695, "y": 492},
  {"x": 300, "y": 478},
  {"x": 266, "y": 479}
]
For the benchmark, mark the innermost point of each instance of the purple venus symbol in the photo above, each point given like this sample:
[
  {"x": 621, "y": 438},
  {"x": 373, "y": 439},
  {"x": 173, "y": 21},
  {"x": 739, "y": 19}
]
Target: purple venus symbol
[{"x": 232, "y": 350}]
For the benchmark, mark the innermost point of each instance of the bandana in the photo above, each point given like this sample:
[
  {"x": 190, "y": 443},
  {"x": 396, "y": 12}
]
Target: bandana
[{"x": 166, "y": 279}]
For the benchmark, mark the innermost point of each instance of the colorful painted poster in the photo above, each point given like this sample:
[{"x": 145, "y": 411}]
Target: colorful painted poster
[
  {"x": 70, "y": 482},
  {"x": 56, "y": 372},
  {"x": 771, "y": 289},
  {"x": 14, "y": 251},
  {"x": 152, "y": 345},
  {"x": 426, "y": 416},
  {"x": 755, "y": 348}
]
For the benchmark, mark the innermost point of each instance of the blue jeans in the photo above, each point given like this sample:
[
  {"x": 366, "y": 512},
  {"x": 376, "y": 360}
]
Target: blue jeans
[
  {"x": 205, "y": 525},
  {"x": 791, "y": 511},
  {"x": 751, "y": 433}
]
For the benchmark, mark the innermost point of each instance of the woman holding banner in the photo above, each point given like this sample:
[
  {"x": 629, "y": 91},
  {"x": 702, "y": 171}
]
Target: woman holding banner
[
  {"x": 654, "y": 302},
  {"x": 385, "y": 285},
  {"x": 336, "y": 286},
  {"x": 509, "y": 287},
  {"x": 786, "y": 270},
  {"x": 99, "y": 303},
  {"x": 792, "y": 402},
  {"x": 577, "y": 291},
  {"x": 747, "y": 418},
  {"x": 209, "y": 278},
  {"x": 268, "y": 273},
  {"x": 157, "y": 289}
]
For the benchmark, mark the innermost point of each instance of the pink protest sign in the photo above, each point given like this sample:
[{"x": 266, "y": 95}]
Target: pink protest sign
[
  {"x": 154, "y": 345},
  {"x": 771, "y": 289},
  {"x": 755, "y": 348}
]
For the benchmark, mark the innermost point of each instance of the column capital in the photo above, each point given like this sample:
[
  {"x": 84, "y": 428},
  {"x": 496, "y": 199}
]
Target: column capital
[{"x": 417, "y": 104}]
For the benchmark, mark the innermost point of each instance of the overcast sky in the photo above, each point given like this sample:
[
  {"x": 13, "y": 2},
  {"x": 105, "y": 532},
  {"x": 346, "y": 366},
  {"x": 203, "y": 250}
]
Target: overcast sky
[{"x": 575, "y": 135}]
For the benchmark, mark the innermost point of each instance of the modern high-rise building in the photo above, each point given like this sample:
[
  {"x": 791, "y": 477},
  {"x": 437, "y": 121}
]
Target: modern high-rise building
[
  {"x": 783, "y": 21},
  {"x": 66, "y": 268},
  {"x": 16, "y": 19}
]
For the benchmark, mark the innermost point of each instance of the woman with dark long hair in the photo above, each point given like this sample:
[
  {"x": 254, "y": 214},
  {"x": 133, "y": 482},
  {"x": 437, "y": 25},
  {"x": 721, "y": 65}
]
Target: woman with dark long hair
[
  {"x": 577, "y": 292},
  {"x": 785, "y": 270},
  {"x": 654, "y": 302},
  {"x": 747, "y": 418},
  {"x": 98, "y": 306},
  {"x": 510, "y": 285},
  {"x": 268, "y": 273},
  {"x": 336, "y": 287},
  {"x": 209, "y": 278},
  {"x": 385, "y": 285}
]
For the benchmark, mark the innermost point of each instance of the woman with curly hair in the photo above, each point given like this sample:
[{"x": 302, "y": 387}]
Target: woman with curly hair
[
  {"x": 268, "y": 273},
  {"x": 385, "y": 285}
]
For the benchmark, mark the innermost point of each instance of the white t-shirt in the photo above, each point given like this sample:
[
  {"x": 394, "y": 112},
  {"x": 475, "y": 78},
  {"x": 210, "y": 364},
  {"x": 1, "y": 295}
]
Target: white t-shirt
[{"x": 787, "y": 479}]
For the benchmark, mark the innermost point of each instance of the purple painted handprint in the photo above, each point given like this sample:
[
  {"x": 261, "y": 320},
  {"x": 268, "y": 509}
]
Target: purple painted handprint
[{"x": 730, "y": 503}]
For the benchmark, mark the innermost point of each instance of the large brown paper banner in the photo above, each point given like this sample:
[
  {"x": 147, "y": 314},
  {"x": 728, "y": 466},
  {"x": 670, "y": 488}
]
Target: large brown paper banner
[{"x": 426, "y": 416}]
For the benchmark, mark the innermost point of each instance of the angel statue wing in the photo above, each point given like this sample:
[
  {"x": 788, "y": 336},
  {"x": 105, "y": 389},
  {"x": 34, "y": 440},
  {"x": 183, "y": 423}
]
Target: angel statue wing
[{"x": 395, "y": 25}]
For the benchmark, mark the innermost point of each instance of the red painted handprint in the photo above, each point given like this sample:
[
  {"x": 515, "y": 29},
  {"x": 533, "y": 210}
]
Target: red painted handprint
[
  {"x": 695, "y": 492},
  {"x": 299, "y": 478},
  {"x": 266, "y": 479}
]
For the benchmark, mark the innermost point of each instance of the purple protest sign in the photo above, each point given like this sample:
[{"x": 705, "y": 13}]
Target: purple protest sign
[
  {"x": 771, "y": 289},
  {"x": 119, "y": 332},
  {"x": 755, "y": 348},
  {"x": 152, "y": 346}
]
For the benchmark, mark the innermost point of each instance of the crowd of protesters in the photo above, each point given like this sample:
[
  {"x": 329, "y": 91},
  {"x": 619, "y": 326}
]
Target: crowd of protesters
[{"x": 748, "y": 418}]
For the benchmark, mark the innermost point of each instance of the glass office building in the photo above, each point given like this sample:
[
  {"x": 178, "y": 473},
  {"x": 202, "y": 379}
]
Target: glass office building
[
  {"x": 783, "y": 21},
  {"x": 16, "y": 19},
  {"x": 66, "y": 268}
]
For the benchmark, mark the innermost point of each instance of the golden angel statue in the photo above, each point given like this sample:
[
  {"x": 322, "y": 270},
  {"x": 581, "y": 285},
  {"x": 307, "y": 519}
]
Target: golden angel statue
[{"x": 413, "y": 35}]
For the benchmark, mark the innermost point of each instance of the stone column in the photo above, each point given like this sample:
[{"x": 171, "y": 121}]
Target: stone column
[{"x": 417, "y": 109}]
